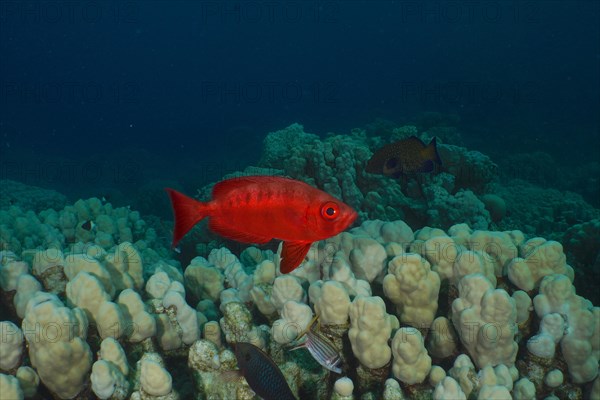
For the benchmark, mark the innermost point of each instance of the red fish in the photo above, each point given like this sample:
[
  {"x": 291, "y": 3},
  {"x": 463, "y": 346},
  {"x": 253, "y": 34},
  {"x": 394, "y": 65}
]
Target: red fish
[{"x": 256, "y": 209}]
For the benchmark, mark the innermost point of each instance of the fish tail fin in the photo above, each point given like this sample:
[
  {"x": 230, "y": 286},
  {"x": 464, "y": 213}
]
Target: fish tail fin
[
  {"x": 230, "y": 376},
  {"x": 187, "y": 211},
  {"x": 432, "y": 152}
]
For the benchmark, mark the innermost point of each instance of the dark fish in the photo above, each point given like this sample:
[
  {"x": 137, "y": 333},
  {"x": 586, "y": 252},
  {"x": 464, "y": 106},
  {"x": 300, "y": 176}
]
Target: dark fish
[
  {"x": 321, "y": 348},
  {"x": 88, "y": 225},
  {"x": 261, "y": 373},
  {"x": 404, "y": 157}
]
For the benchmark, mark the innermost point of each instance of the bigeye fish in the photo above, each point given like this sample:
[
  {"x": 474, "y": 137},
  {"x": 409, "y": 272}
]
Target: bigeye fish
[
  {"x": 320, "y": 347},
  {"x": 256, "y": 209},
  {"x": 261, "y": 373},
  {"x": 405, "y": 157}
]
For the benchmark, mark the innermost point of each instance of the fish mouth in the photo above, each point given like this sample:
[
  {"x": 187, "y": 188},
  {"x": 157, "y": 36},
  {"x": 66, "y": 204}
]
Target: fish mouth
[{"x": 352, "y": 216}]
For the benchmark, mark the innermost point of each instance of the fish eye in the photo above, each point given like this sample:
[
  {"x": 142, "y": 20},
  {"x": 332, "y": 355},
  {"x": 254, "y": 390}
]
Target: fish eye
[{"x": 330, "y": 210}]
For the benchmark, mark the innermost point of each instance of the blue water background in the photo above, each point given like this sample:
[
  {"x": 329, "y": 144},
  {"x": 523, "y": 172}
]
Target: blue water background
[{"x": 103, "y": 97}]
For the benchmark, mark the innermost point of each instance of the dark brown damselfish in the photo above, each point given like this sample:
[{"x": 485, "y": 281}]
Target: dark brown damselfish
[{"x": 261, "y": 373}]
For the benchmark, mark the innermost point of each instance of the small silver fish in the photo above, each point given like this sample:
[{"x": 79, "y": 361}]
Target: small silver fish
[{"x": 321, "y": 348}]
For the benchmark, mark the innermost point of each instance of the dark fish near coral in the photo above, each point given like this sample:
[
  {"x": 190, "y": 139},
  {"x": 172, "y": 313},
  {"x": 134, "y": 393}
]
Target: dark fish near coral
[
  {"x": 321, "y": 348},
  {"x": 404, "y": 157},
  {"x": 261, "y": 373},
  {"x": 256, "y": 209},
  {"x": 88, "y": 225}
]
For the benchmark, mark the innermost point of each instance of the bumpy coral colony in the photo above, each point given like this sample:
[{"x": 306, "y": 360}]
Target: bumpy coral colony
[{"x": 452, "y": 313}]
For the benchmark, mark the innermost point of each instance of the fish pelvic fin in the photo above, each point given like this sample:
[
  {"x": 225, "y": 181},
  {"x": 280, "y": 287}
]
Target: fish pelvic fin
[
  {"x": 292, "y": 254},
  {"x": 187, "y": 211},
  {"x": 300, "y": 346}
]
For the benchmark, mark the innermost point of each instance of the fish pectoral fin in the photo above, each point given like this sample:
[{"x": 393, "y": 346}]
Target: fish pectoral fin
[
  {"x": 227, "y": 231},
  {"x": 292, "y": 254}
]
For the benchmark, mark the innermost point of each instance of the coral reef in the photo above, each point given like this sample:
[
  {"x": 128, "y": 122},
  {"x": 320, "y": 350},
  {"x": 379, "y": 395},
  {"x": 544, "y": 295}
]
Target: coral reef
[
  {"x": 136, "y": 318},
  {"x": 29, "y": 197},
  {"x": 582, "y": 245},
  {"x": 469, "y": 187},
  {"x": 421, "y": 298},
  {"x": 336, "y": 164},
  {"x": 540, "y": 211}
]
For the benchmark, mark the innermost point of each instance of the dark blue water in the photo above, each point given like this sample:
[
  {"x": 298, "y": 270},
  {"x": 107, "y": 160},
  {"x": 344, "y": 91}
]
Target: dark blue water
[{"x": 105, "y": 96}]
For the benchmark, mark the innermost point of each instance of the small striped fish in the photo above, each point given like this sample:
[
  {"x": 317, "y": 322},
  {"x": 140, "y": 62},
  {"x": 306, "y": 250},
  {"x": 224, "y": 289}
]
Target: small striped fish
[{"x": 321, "y": 348}]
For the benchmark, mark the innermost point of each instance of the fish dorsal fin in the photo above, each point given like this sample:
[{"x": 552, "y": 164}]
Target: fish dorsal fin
[
  {"x": 415, "y": 140},
  {"x": 292, "y": 254},
  {"x": 228, "y": 185},
  {"x": 308, "y": 327},
  {"x": 431, "y": 153},
  {"x": 231, "y": 233}
]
